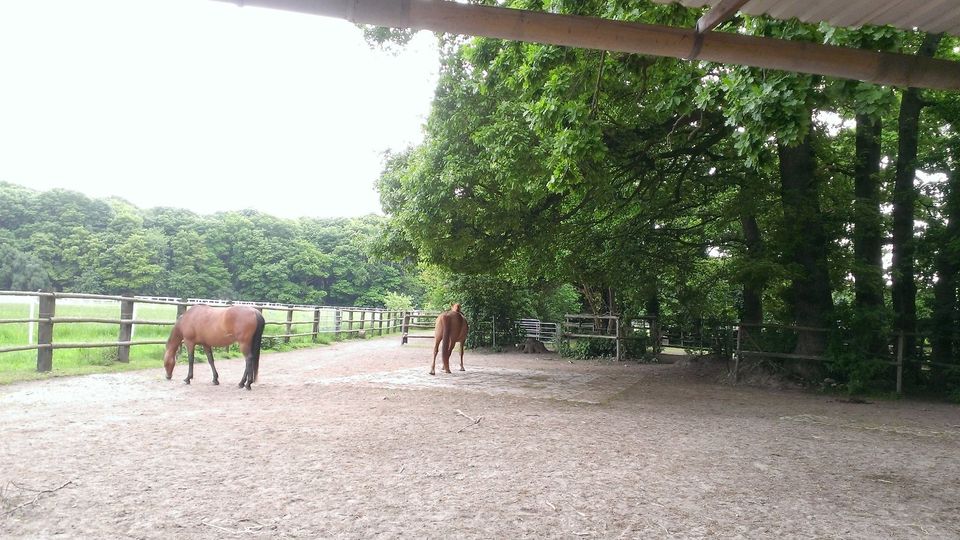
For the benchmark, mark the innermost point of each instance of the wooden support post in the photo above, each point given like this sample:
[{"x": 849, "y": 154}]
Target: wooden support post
[
  {"x": 181, "y": 307},
  {"x": 48, "y": 308},
  {"x": 363, "y": 317},
  {"x": 126, "y": 329},
  {"x": 337, "y": 321},
  {"x": 380, "y": 314},
  {"x": 316, "y": 324},
  {"x": 350, "y": 324},
  {"x": 286, "y": 338},
  {"x": 405, "y": 327}
]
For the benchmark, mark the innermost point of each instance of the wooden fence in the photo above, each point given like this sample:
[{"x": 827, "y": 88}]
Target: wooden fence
[
  {"x": 749, "y": 344},
  {"x": 347, "y": 321}
]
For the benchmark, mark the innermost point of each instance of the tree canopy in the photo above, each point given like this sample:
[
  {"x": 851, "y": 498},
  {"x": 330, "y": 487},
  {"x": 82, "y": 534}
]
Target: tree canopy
[
  {"x": 690, "y": 190},
  {"x": 65, "y": 241}
]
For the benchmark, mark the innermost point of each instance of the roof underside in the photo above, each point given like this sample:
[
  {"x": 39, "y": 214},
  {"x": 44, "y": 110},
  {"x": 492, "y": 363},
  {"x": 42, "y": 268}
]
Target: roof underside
[{"x": 933, "y": 16}]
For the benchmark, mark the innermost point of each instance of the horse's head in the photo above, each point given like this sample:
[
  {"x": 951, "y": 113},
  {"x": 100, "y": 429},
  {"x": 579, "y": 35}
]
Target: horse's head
[
  {"x": 169, "y": 361},
  {"x": 455, "y": 307}
]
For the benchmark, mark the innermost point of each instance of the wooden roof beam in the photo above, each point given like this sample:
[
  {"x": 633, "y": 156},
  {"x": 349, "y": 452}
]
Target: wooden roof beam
[
  {"x": 718, "y": 14},
  {"x": 604, "y": 34}
]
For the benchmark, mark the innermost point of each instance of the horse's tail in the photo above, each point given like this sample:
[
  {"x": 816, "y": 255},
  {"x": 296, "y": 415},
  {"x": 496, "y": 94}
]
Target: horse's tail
[
  {"x": 446, "y": 337},
  {"x": 255, "y": 346}
]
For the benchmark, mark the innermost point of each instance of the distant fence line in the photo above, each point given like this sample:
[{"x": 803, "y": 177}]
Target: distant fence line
[{"x": 346, "y": 321}]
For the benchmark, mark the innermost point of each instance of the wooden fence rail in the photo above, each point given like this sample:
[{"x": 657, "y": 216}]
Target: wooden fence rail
[
  {"x": 359, "y": 321},
  {"x": 747, "y": 346}
]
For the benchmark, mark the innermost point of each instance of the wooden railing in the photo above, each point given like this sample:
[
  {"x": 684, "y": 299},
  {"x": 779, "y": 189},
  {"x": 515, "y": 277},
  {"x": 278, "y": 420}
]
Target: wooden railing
[
  {"x": 347, "y": 321},
  {"x": 895, "y": 354}
]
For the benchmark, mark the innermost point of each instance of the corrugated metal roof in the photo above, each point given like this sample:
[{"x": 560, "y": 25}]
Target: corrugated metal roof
[{"x": 927, "y": 15}]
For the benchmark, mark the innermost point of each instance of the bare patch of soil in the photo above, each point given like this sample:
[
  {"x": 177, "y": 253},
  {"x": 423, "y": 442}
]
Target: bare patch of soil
[{"x": 356, "y": 440}]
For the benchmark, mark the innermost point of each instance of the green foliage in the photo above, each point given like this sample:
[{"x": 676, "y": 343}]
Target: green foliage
[
  {"x": 65, "y": 241},
  {"x": 397, "y": 302},
  {"x": 21, "y": 271},
  {"x": 586, "y": 349}
]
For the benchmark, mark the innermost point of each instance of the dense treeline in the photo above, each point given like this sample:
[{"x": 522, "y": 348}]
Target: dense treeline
[
  {"x": 698, "y": 192},
  {"x": 65, "y": 241}
]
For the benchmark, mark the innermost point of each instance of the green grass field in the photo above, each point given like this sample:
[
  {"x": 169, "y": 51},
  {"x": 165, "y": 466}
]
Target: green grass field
[{"x": 21, "y": 365}]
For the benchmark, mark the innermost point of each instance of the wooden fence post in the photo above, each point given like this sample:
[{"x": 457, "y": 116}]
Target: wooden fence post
[
  {"x": 33, "y": 313},
  {"x": 363, "y": 316},
  {"x": 616, "y": 327},
  {"x": 380, "y": 322},
  {"x": 286, "y": 338},
  {"x": 48, "y": 307},
  {"x": 736, "y": 357},
  {"x": 181, "y": 307},
  {"x": 337, "y": 321},
  {"x": 316, "y": 324},
  {"x": 404, "y": 327},
  {"x": 350, "y": 324},
  {"x": 126, "y": 328}
]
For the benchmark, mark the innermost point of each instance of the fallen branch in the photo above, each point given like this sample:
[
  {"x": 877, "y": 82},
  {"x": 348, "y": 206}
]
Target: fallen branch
[
  {"x": 461, "y": 413},
  {"x": 475, "y": 422},
  {"x": 37, "y": 497},
  {"x": 219, "y": 528}
]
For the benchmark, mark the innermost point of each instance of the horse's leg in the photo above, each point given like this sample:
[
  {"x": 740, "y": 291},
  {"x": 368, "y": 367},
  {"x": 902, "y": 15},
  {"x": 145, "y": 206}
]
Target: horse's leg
[
  {"x": 247, "y": 374},
  {"x": 436, "y": 348},
  {"x": 447, "y": 351},
  {"x": 216, "y": 376},
  {"x": 248, "y": 370},
  {"x": 190, "y": 351},
  {"x": 461, "y": 356}
]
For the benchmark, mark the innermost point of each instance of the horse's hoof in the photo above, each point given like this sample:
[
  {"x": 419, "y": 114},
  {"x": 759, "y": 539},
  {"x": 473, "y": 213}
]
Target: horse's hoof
[
  {"x": 247, "y": 387},
  {"x": 186, "y": 381},
  {"x": 216, "y": 383},
  {"x": 432, "y": 373},
  {"x": 169, "y": 377},
  {"x": 461, "y": 369}
]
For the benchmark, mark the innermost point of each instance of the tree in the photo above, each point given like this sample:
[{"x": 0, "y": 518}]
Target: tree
[
  {"x": 904, "y": 291},
  {"x": 20, "y": 271}
]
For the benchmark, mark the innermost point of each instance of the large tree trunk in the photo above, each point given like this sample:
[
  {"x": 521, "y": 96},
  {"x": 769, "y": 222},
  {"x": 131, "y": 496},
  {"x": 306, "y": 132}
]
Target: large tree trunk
[
  {"x": 946, "y": 318},
  {"x": 904, "y": 292},
  {"x": 653, "y": 310},
  {"x": 752, "y": 288},
  {"x": 806, "y": 249},
  {"x": 868, "y": 236}
]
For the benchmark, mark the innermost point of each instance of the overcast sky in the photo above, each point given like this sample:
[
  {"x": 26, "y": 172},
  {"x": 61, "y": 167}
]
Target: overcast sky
[{"x": 204, "y": 105}]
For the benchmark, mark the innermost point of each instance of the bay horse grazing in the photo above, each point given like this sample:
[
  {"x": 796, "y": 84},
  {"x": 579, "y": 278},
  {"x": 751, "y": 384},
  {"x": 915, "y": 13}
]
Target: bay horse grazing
[
  {"x": 450, "y": 329},
  {"x": 217, "y": 327}
]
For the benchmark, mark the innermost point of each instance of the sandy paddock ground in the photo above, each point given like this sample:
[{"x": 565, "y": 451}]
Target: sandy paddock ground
[{"x": 355, "y": 440}]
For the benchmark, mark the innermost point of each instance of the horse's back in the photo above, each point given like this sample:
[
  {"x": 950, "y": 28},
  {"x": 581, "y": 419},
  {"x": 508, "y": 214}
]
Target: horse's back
[
  {"x": 218, "y": 327},
  {"x": 453, "y": 322}
]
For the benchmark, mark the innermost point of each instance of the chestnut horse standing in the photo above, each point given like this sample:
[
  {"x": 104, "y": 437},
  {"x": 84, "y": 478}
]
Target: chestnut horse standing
[
  {"x": 217, "y": 327},
  {"x": 450, "y": 329}
]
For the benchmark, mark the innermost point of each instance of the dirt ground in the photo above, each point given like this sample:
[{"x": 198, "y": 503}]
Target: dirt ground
[{"x": 356, "y": 440}]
